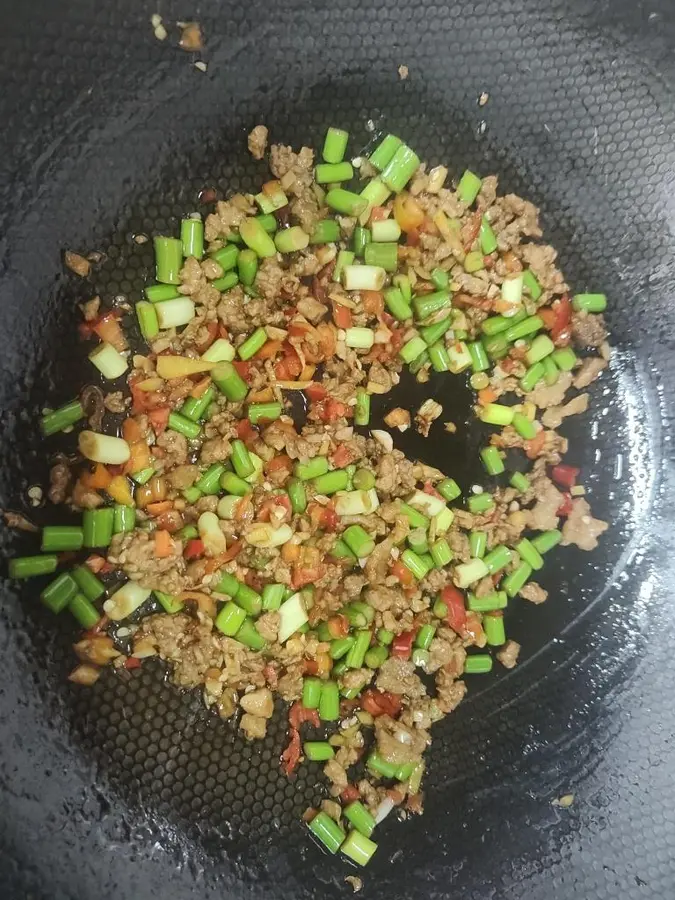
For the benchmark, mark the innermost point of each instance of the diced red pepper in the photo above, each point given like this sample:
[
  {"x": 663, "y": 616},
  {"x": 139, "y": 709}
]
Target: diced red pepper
[
  {"x": 566, "y": 506},
  {"x": 380, "y": 703},
  {"x": 132, "y": 662},
  {"x": 342, "y": 456},
  {"x": 338, "y": 626},
  {"x": 243, "y": 368},
  {"x": 331, "y": 409},
  {"x": 299, "y": 714},
  {"x": 565, "y": 476},
  {"x": 291, "y": 755},
  {"x": 403, "y": 573},
  {"x": 212, "y": 329},
  {"x": 316, "y": 391},
  {"x": 342, "y": 315},
  {"x": 194, "y": 549},
  {"x": 303, "y": 576},
  {"x": 557, "y": 319},
  {"x": 159, "y": 419},
  {"x": 246, "y": 432},
  {"x": 431, "y": 490},
  {"x": 279, "y": 501},
  {"x": 349, "y": 795},
  {"x": 454, "y": 600},
  {"x": 329, "y": 518},
  {"x": 402, "y": 645}
]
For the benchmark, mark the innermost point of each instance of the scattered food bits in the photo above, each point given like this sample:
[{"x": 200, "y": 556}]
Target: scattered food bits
[
  {"x": 35, "y": 495},
  {"x": 398, "y": 418},
  {"x": 563, "y": 802},
  {"x": 403, "y": 72},
  {"x": 21, "y": 523},
  {"x": 257, "y": 141},
  {"x": 450, "y": 427},
  {"x": 201, "y": 66},
  {"x": 191, "y": 37},
  {"x": 427, "y": 414},
  {"x": 483, "y": 98},
  {"x": 77, "y": 264},
  {"x": 355, "y": 882}
]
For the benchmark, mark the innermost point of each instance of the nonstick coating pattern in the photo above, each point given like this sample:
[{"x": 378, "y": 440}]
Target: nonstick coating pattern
[{"x": 133, "y": 789}]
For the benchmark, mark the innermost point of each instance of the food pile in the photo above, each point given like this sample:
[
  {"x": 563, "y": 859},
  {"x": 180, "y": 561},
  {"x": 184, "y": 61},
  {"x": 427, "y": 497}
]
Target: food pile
[{"x": 270, "y": 542}]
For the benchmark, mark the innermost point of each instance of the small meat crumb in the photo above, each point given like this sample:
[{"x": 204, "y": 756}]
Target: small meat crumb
[
  {"x": 21, "y": 523},
  {"x": 355, "y": 882},
  {"x": 508, "y": 655},
  {"x": 257, "y": 141},
  {"x": 403, "y": 72},
  {"x": 398, "y": 418},
  {"x": 77, "y": 264},
  {"x": 427, "y": 414},
  {"x": 191, "y": 37},
  {"x": 563, "y": 802}
]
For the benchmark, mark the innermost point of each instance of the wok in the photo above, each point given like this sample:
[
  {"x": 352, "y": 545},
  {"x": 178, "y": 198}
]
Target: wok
[{"x": 131, "y": 789}]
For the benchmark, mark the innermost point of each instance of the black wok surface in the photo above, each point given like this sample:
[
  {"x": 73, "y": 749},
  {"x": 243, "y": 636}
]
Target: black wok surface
[{"x": 132, "y": 790}]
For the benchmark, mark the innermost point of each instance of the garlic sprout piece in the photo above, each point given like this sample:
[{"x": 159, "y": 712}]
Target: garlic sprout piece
[
  {"x": 125, "y": 601},
  {"x": 208, "y": 526},
  {"x": 103, "y": 448},
  {"x": 110, "y": 363},
  {"x": 265, "y": 535},
  {"x": 292, "y": 615}
]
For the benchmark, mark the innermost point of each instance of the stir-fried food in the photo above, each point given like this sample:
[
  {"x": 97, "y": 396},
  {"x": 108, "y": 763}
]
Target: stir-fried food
[{"x": 262, "y": 553}]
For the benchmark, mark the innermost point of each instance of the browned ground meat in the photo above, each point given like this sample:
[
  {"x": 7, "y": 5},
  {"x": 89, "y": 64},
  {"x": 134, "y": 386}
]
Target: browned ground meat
[
  {"x": 134, "y": 552},
  {"x": 533, "y": 592},
  {"x": 398, "y": 676},
  {"x": 398, "y": 743},
  {"x": 589, "y": 370},
  {"x": 588, "y": 329},
  {"x": 508, "y": 655},
  {"x": 581, "y": 528},
  {"x": 257, "y": 141}
]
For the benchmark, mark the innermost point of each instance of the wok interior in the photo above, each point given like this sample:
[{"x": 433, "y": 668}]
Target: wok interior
[{"x": 159, "y": 751}]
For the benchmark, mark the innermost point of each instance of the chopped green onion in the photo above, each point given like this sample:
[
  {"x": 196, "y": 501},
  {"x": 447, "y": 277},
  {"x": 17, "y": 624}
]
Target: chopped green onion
[
  {"x": 402, "y": 282},
  {"x": 345, "y": 202},
  {"x": 359, "y": 338},
  {"x": 344, "y": 258},
  {"x": 532, "y": 377},
  {"x": 439, "y": 357},
  {"x": 480, "y": 503},
  {"x": 439, "y": 609},
  {"x": 124, "y": 518},
  {"x": 385, "y": 230},
  {"x": 168, "y": 259},
  {"x": 565, "y": 358},
  {"x": 249, "y": 600},
  {"x": 358, "y": 541},
  {"x": 292, "y": 616},
  {"x": 333, "y": 173},
  {"x": 311, "y": 692},
  {"x": 415, "y": 564},
  {"x": 384, "y": 255},
  {"x": 361, "y": 238},
  {"x": 551, "y": 371},
  {"x": 440, "y": 279},
  {"x": 297, "y": 495},
  {"x": 491, "y": 458},
  {"x": 417, "y": 540},
  {"x": 496, "y": 414},
  {"x": 460, "y": 358},
  {"x": 62, "y": 418},
  {"x": 192, "y": 237},
  {"x": 329, "y": 703},
  {"x": 228, "y": 584},
  {"x": 469, "y": 187},
  {"x": 226, "y": 283},
  {"x": 88, "y": 583},
  {"x": 427, "y": 304},
  {"x": 512, "y": 290},
  {"x": 529, "y": 554},
  {"x": 380, "y": 766},
  {"x": 335, "y": 145},
  {"x": 264, "y": 412},
  {"x": 524, "y": 328},
  {"x": 513, "y": 582},
  {"x": 496, "y": 346},
  {"x": 271, "y": 199},
  {"x": 519, "y": 482},
  {"x": 493, "y": 625},
  {"x": 487, "y": 602},
  {"x": 531, "y": 284},
  {"x": 331, "y": 482},
  {"x": 425, "y": 636},
  {"x": 97, "y": 526},
  {"x": 547, "y": 540},
  {"x": 28, "y": 566},
  {"x": 385, "y": 636},
  {"x": 364, "y": 278},
  {"x": 229, "y": 382},
  {"x": 412, "y": 349},
  {"x": 247, "y": 266},
  {"x": 290, "y": 240},
  {"x": 433, "y": 333},
  {"x": 357, "y": 652},
  {"x": 384, "y": 152},
  {"x": 400, "y": 168},
  {"x": 155, "y": 293},
  {"x": 311, "y": 469},
  {"x": 420, "y": 658},
  {"x": 325, "y": 232},
  {"x": 470, "y": 572},
  {"x": 498, "y": 558},
  {"x": 57, "y": 538},
  {"x": 170, "y": 314},
  {"x": 318, "y": 751},
  {"x": 226, "y": 257},
  {"x": 449, "y": 489},
  {"x": 414, "y": 517},
  {"x": 524, "y": 426},
  {"x": 327, "y": 831},
  {"x": 358, "y": 816},
  {"x": 252, "y": 344},
  {"x": 341, "y": 646},
  {"x": 363, "y": 480},
  {"x": 540, "y": 348},
  {"x": 233, "y": 484},
  {"x": 478, "y": 664},
  {"x": 396, "y": 305},
  {"x": 191, "y": 494},
  {"x": 488, "y": 239},
  {"x": 477, "y": 544},
  {"x": 272, "y": 596},
  {"x": 249, "y": 635},
  {"x": 58, "y": 593},
  {"x": 184, "y": 426},
  {"x": 84, "y": 611},
  {"x": 479, "y": 359},
  {"x": 592, "y": 303},
  {"x": 241, "y": 459},
  {"x": 108, "y": 361},
  {"x": 441, "y": 553},
  {"x": 254, "y": 236},
  {"x": 376, "y": 656}
]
